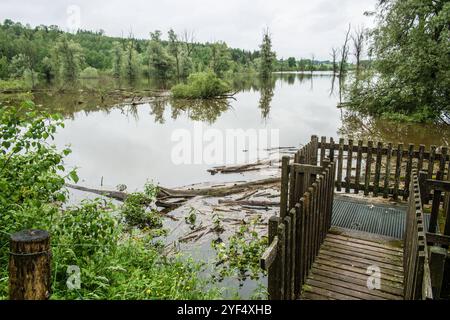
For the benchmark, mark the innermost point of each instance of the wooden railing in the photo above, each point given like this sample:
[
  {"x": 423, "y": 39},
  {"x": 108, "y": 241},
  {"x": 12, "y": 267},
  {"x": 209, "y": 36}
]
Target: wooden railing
[
  {"x": 417, "y": 277},
  {"x": 381, "y": 169},
  {"x": 305, "y": 218}
]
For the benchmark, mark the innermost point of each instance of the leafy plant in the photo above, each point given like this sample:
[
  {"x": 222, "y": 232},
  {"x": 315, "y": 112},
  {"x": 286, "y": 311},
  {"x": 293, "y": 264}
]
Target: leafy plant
[
  {"x": 240, "y": 256},
  {"x": 202, "y": 85}
]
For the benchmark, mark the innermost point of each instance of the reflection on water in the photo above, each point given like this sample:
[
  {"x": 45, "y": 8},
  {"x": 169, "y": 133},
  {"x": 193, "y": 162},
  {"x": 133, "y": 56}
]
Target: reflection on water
[{"x": 130, "y": 143}]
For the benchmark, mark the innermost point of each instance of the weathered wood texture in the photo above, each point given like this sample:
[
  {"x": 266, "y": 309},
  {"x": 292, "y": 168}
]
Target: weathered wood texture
[
  {"x": 417, "y": 284},
  {"x": 29, "y": 265},
  {"x": 305, "y": 217},
  {"x": 381, "y": 169},
  {"x": 344, "y": 270}
]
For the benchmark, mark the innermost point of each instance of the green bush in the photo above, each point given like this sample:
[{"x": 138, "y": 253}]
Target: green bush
[
  {"x": 201, "y": 85},
  {"x": 89, "y": 73}
]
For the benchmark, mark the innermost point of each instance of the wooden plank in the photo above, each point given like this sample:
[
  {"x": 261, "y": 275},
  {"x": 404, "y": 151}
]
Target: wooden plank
[
  {"x": 368, "y": 168},
  {"x": 408, "y": 170},
  {"x": 284, "y": 186},
  {"x": 302, "y": 255},
  {"x": 293, "y": 216},
  {"x": 420, "y": 157},
  {"x": 389, "y": 275},
  {"x": 394, "y": 287},
  {"x": 438, "y": 184},
  {"x": 426, "y": 154},
  {"x": 269, "y": 255},
  {"x": 322, "y": 149},
  {"x": 282, "y": 252},
  {"x": 351, "y": 253},
  {"x": 274, "y": 269},
  {"x": 366, "y": 247},
  {"x": 432, "y": 227},
  {"x": 353, "y": 259},
  {"x": 354, "y": 284},
  {"x": 340, "y": 164},
  {"x": 314, "y": 296},
  {"x": 349, "y": 166},
  {"x": 341, "y": 290},
  {"x": 398, "y": 170},
  {"x": 287, "y": 265},
  {"x": 387, "y": 176},
  {"x": 358, "y": 248},
  {"x": 327, "y": 293},
  {"x": 431, "y": 161},
  {"x": 365, "y": 242},
  {"x": 358, "y": 165},
  {"x": 376, "y": 183},
  {"x": 438, "y": 239},
  {"x": 331, "y": 147}
]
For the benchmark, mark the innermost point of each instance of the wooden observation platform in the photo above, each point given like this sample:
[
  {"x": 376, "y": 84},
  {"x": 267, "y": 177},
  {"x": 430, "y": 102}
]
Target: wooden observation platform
[{"x": 387, "y": 241}]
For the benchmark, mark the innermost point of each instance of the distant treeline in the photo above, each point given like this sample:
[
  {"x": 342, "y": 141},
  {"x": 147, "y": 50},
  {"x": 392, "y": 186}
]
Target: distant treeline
[{"x": 47, "y": 53}]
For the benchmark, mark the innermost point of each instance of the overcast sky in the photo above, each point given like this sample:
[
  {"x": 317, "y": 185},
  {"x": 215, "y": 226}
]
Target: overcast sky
[{"x": 299, "y": 27}]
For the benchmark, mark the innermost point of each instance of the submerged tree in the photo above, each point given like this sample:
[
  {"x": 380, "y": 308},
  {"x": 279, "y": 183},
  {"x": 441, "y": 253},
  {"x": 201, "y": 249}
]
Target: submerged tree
[
  {"x": 344, "y": 54},
  {"x": 69, "y": 57},
  {"x": 161, "y": 64},
  {"x": 267, "y": 56},
  {"x": 117, "y": 63},
  {"x": 131, "y": 63},
  {"x": 358, "y": 46}
]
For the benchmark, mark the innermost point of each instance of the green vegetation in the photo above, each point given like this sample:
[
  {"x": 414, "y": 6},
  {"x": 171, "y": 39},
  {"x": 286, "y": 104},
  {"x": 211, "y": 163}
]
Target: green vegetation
[
  {"x": 410, "y": 79},
  {"x": 202, "y": 85},
  {"x": 117, "y": 248},
  {"x": 267, "y": 56},
  {"x": 116, "y": 260}
]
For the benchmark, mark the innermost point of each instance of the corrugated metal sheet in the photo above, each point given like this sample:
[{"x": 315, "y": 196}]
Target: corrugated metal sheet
[{"x": 372, "y": 218}]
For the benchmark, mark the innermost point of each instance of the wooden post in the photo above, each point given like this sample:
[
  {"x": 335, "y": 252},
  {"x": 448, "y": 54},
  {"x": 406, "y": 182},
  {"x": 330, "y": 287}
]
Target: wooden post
[
  {"x": 437, "y": 263},
  {"x": 29, "y": 265},
  {"x": 376, "y": 182},
  {"x": 358, "y": 166},
  {"x": 408, "y": 170},
  {"x": 274, "y": 271},
  {"x": 387, "y": 176},
  {"x": 340, "y": 163},
  {"x": 398, "y": 170},
  {"x": 368, "y": 167},
  {"x": 423, "y": 187},
  {"x": 435, "y": 204},
  {"x": 431, "y": 162},
  {"x": 282, "y": 257},
  {"x": 349, "y": 166},
  {"x": 284, "y": 186}
]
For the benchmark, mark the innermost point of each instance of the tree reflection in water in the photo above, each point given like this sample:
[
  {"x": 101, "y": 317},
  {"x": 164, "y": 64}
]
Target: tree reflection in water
[{"x": 361, "y": 127}]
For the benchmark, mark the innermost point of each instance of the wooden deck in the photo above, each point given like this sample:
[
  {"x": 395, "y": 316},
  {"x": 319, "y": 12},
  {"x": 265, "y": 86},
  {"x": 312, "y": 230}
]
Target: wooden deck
[{"x": 340, "y": 270}]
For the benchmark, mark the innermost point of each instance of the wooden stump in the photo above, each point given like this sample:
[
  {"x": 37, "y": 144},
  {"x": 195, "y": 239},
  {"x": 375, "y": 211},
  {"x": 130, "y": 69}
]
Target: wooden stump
[{"x": 29, "y": 265}]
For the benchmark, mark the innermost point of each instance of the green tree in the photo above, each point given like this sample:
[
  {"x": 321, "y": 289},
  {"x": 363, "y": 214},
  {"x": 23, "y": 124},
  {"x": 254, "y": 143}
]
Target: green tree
[
  {"x": 117, "y": 63},
  {"x": 69, "y": 58},
  {"x": 161, "y": 64},
  {"x": 412, "y": 62},
  {"x": 220, "y": 58},
  {"x": 267, "y": 56}
]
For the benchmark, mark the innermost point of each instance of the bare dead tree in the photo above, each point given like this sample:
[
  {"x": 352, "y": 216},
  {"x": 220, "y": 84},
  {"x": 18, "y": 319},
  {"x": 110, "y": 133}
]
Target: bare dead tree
[
  {"x": 189, "y": 39},
  {"x": 358, "y": 46},
  {"x": 344, "y": 53},
  {"x": 334, "y": 52}
]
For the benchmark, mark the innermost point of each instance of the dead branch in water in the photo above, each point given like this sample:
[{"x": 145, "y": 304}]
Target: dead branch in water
[
  {"x": 182, "y": 195},
  {"x": 253, "y": 203}
]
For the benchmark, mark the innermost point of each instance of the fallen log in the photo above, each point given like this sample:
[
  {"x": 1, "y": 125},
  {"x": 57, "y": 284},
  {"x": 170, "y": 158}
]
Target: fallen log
[
  {"x": 253, "y": 203},
  {"x": 184, "y": 194}
]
